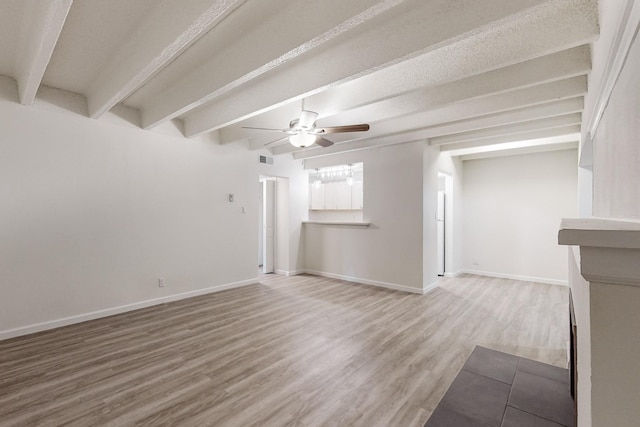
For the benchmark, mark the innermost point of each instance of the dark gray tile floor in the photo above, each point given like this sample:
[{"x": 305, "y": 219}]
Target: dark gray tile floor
[
  {"x": 492, "y": 364},
  {"x": 496, "y": 389},
  {"x": 516, "y": 418},
  {"x": 479, "y": 398},
  {"x": 445, "y": 417},
  {"x": 543, "y": 397},
  {"x": 543, "y": 370}
]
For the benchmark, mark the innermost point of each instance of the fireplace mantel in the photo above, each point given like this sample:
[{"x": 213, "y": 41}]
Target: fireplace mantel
[{"x": 609, "y": 248}]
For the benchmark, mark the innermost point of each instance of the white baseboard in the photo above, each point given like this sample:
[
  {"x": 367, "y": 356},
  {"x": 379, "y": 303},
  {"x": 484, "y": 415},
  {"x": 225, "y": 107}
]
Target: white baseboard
[
  {"x": 429, "y": 288},
  {"x": 39, "y": 327},
  {"x": 368, "y": 282},
  {"x": 453, "y": 275},
  {"x": 290, "y": 273},
  {"x": 516, "y": 277}
]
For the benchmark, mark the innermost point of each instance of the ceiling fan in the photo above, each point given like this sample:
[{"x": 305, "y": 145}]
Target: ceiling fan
[{"x": 302, "y": 132}]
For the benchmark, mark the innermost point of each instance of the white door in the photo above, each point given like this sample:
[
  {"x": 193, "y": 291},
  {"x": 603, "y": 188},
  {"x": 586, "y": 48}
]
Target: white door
[
  {"x": 268, "y": 226},
  {"x": 440, "y": 219}
]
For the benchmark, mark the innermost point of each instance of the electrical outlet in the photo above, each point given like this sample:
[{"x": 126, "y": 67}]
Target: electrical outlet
[
  {"x": 475, "y": 261},
  {"x": 161, "y": 282}
]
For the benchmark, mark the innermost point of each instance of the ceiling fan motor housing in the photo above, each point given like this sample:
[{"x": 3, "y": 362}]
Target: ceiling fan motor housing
[{"x": 307, "y": 121}]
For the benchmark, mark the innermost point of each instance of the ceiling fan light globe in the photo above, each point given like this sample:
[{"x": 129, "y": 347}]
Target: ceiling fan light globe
[{"x": 302, "y": 140}]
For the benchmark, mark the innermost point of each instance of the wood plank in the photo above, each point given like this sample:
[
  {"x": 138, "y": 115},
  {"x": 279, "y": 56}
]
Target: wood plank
[{"x": 299, "y": 350}]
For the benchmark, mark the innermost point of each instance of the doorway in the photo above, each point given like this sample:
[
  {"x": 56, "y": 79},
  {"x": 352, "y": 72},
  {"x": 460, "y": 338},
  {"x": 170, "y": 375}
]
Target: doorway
[
  {"x": 266, "y": 225},
  {"x": 273, "y": 225},
  {"x": 444, "y": 220},
  {"x": 440, "y": 218}
]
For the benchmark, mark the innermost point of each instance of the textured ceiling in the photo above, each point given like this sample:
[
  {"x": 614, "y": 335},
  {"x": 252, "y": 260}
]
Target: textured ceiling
[
  {"x": 459, "y": 73},
  {"x": 93, "y": 31},
  {"x": 11, "y": 23}
]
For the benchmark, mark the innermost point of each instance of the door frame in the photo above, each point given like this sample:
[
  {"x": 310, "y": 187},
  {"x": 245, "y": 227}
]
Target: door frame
[
  {"x": 281, "y": 224},
  {"x": 449, "y": 243}
]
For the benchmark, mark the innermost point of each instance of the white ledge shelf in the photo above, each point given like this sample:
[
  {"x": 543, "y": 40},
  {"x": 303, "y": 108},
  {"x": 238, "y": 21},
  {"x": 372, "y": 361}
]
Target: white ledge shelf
[
  {"x": 338, "y": 223},
  {"x": 609, "y": 248},
  {"x": 600, "y": 233}
]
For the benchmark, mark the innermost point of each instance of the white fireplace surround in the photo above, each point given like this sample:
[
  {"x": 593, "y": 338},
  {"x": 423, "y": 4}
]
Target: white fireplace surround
[{"x": 607, "y": 306}]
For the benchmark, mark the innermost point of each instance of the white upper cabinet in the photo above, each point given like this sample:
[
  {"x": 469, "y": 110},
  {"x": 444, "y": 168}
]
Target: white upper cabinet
[
  {"x": 316, "y": 200},
  {"x": 342, "y": 193},
  {"x": 357, "y": 195},
  {"x": 336, "y": 188}
]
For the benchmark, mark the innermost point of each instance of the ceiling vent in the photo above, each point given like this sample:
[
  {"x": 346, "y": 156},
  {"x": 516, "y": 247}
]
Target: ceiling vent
[{"x": 266, "y": 160}]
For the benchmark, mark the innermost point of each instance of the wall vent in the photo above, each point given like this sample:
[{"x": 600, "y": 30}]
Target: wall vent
[{"x": 266, "y": 160}]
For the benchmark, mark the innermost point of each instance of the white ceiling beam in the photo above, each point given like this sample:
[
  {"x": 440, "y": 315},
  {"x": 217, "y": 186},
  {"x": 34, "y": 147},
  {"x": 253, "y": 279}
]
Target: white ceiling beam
[
  {"x": 526, "y": 41},
  {"x": 226, "y": 70},
  {"x": 485, "y": 135},
  {"x": 521, "y": 150},
  {"x": 548, "y": 69},
  {"x": 375, "y": 103},
  {"x": 435, "y": 51},
  {"x": 523, "y": 136},
  {"x": 43, "y": 24},
  {"x": 509, "y": 129},
  {"x": 561, "y": 139},
  {"x": 438, "y": 134},
  {"x": 496, "y": 110},
  {"x": 490, "y": 105},
  {"x": 538, "y": 115},
  {"x": 170, "y": 28},
  {"x": 419, "y": 135}
]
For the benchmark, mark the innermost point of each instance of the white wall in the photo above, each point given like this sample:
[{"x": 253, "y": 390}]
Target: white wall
[
  {"x": 282, "y": 234},
  {"x": 430, "y": 158},
  {"x": 390, "y": 250},
  {"x": 616, "y": 147},
  {"x": 94, "y": 213},
  {"x": 610, "y": 12},
  {"x": 585, "y": 192},
  {"x": 512, "y": 211}
]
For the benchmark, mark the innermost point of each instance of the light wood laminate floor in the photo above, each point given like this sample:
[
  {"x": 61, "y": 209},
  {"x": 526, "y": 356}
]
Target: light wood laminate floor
[{"x": 301, "y": 350}]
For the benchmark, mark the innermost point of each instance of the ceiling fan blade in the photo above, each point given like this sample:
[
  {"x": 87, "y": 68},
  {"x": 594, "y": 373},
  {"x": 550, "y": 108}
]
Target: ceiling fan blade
[
  {"x": 322, "y": 142},
  {"x": 273, "y": 142},
  {"x": 348, "y": 128},
  {"x": 271, "y": 129}
]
